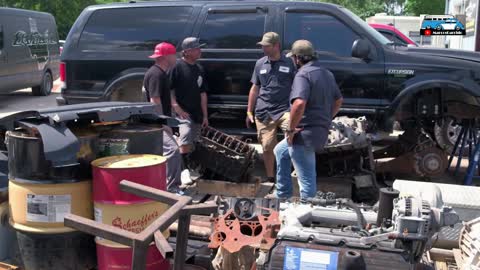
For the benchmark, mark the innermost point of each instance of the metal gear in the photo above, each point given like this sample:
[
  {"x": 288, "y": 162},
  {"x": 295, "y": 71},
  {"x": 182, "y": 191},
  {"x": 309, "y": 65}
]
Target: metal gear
[
  {"x": 244, "y": 209},
  {"x": 430, "y": 162}
]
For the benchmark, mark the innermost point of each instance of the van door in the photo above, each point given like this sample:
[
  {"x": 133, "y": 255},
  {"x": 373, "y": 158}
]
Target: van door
[
  {"x": 20, "y": 61},
  {"x": 3, "y": 52},
  {"x": 45, "y": 49},
  {"x": 360, "y": 82},
  {"x": 5, "y": 83},
  {"x": 10, "y": 72},
  {"x": 231, "y": 33}
]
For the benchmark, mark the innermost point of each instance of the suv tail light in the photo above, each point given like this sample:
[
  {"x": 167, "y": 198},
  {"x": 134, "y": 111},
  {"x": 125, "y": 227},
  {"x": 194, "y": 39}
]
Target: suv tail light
[{"x": 63, "y": 72}]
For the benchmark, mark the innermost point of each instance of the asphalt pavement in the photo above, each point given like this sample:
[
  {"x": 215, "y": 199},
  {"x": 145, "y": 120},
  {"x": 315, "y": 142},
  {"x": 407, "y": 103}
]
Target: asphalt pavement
[{"x": 23, "y": 100}]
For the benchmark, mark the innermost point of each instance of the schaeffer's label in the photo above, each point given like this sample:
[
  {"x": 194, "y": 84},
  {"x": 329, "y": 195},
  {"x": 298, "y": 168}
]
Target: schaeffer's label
[{"x": 132, "y": 217}]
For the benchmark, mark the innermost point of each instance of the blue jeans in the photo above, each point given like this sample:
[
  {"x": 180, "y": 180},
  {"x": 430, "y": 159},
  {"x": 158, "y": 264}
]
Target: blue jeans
[{"x": 303, "y": 159}]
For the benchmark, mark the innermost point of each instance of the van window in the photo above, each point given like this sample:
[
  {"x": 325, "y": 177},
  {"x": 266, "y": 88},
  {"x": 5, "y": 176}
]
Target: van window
[
  {"x": 134, "y": 29},
  {"x": 324, "y": 31},
  {"x": 233, "y": 30}
]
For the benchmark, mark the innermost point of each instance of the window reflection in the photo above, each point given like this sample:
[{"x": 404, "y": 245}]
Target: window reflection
[{"x": 134, "y": 29}]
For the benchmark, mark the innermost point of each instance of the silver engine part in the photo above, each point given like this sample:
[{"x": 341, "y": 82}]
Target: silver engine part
[
  {"x": 414, "y": 215},
  {"x": 347, "y": 130},
  {"x": 335, "y": 222}
]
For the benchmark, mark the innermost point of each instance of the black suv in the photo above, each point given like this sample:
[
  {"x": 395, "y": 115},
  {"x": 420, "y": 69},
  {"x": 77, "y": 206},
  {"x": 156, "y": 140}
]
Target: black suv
[{"x": 106, "y": 55}]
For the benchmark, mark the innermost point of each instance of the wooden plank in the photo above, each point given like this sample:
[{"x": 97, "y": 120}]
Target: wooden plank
[
  {"x": 163, "y": 246},
  {"x": 231, "y": 189},
  {"x": 139, "y": 257},
  {"x": 458, "y": 258},
  {"x": 99, "y": 229},
  {"x": 165, "y": 220},
  {"x": 438, "y": 254},
  {"x": 195, "y": 230},
  {"x": 441, "y": 266},
  {"x": 200, "y": 209},
  {"x": 182, "y": 241},
  {"x": 148, "y": 192},
  {"x": 5, "y": 266}
]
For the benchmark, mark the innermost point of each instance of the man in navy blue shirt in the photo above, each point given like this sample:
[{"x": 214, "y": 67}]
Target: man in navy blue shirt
[
  {"x": 315, "y": 99},
  {"x": 268, "y": 98}
]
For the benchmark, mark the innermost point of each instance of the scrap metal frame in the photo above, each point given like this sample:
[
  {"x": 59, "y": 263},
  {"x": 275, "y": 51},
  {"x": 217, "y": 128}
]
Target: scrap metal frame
[{"x": 180, "y": 208}]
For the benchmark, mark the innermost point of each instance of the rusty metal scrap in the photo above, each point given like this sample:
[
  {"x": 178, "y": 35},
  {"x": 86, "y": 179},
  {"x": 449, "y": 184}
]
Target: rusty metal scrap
[
  {"x": 180, "y": 209},
  {"x": 232, "y": 143},
  {"x": 233, "y": 233},
  {"x": 226, "y": 156}
]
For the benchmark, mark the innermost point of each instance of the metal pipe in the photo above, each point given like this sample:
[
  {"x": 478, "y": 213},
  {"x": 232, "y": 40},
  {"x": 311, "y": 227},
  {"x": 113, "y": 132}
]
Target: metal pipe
[
  {"x": 361, "y": 222},
  {"x": 385, "y": 204},
  {"x": 334, "y": 216},
  {"x": 460, "y": 154},
  {"x": 462, "y": 130}
]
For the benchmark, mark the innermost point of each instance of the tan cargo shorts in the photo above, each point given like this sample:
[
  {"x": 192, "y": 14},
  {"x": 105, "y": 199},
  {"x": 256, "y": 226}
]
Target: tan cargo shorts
[{"x": 267, "y": 132}]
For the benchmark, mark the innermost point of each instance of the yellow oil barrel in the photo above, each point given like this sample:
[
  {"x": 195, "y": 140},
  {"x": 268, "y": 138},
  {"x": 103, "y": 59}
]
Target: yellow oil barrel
[{"x": 41, "y": 208}]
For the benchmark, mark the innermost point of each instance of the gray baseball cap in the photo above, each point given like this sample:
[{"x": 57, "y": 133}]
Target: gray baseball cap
[
  {"x": 269, "y": 38},
  {"x": 302, "y": 48},
  {"x": 191, "y": 43}
]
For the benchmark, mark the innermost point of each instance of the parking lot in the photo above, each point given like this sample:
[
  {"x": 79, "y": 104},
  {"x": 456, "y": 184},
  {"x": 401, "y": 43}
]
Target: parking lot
[{"x": 23, "y": 99}]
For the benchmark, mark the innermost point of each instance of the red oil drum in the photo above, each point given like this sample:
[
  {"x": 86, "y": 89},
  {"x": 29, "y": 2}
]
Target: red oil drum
[
  {"x": 108, "y": 172},
  {"x": 124, "y": 210},
  {"x": 111, "y": 256}
]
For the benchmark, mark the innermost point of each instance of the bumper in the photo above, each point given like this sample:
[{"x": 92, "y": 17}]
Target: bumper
[
  {"x": 61, "y": 101},
  {"x": 70, "y": 97}
]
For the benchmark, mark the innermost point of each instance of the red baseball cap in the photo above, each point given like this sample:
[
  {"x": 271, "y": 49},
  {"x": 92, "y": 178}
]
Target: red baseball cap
[{"x": 163, "y": 49}]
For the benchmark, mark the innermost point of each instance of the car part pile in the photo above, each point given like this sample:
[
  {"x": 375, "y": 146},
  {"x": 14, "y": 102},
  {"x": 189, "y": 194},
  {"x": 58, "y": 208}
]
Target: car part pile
[
  {"x": 345, "y": 130},
  {"x": 348, "y": 158},
  {"x": 415, "y": 151},
  {"x": 470, "y": 244},
  {"x": 330, "y": 233},
  {"x": 246, "y": 222},
  {"x": 222, "y": 156}
]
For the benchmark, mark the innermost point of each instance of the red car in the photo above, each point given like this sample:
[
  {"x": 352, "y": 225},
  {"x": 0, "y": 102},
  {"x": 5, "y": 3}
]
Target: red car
[{"x": 393, "y": 34}]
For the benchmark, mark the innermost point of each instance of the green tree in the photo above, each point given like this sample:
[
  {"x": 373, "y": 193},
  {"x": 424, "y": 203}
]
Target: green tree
[
  {"x": 417, "y": 7},
  {"x": 363, "y": 8},
  {"x": 65, "y": 12}
]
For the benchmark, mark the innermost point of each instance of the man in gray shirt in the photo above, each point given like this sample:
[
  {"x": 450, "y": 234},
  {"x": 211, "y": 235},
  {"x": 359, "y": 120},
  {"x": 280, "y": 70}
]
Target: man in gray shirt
[{"x": 315, "y": 99}]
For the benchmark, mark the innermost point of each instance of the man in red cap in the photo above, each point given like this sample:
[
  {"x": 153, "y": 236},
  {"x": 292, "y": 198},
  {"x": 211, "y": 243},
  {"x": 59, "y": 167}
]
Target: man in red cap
[
  {"x": 157, "y": 86},
  {"x": 157, "y": 82}
]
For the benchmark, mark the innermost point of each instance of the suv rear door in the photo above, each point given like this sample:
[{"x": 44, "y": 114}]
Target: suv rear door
[
  {"x": 231, "y": 33},
  {"x": 332, "y": 35}
]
